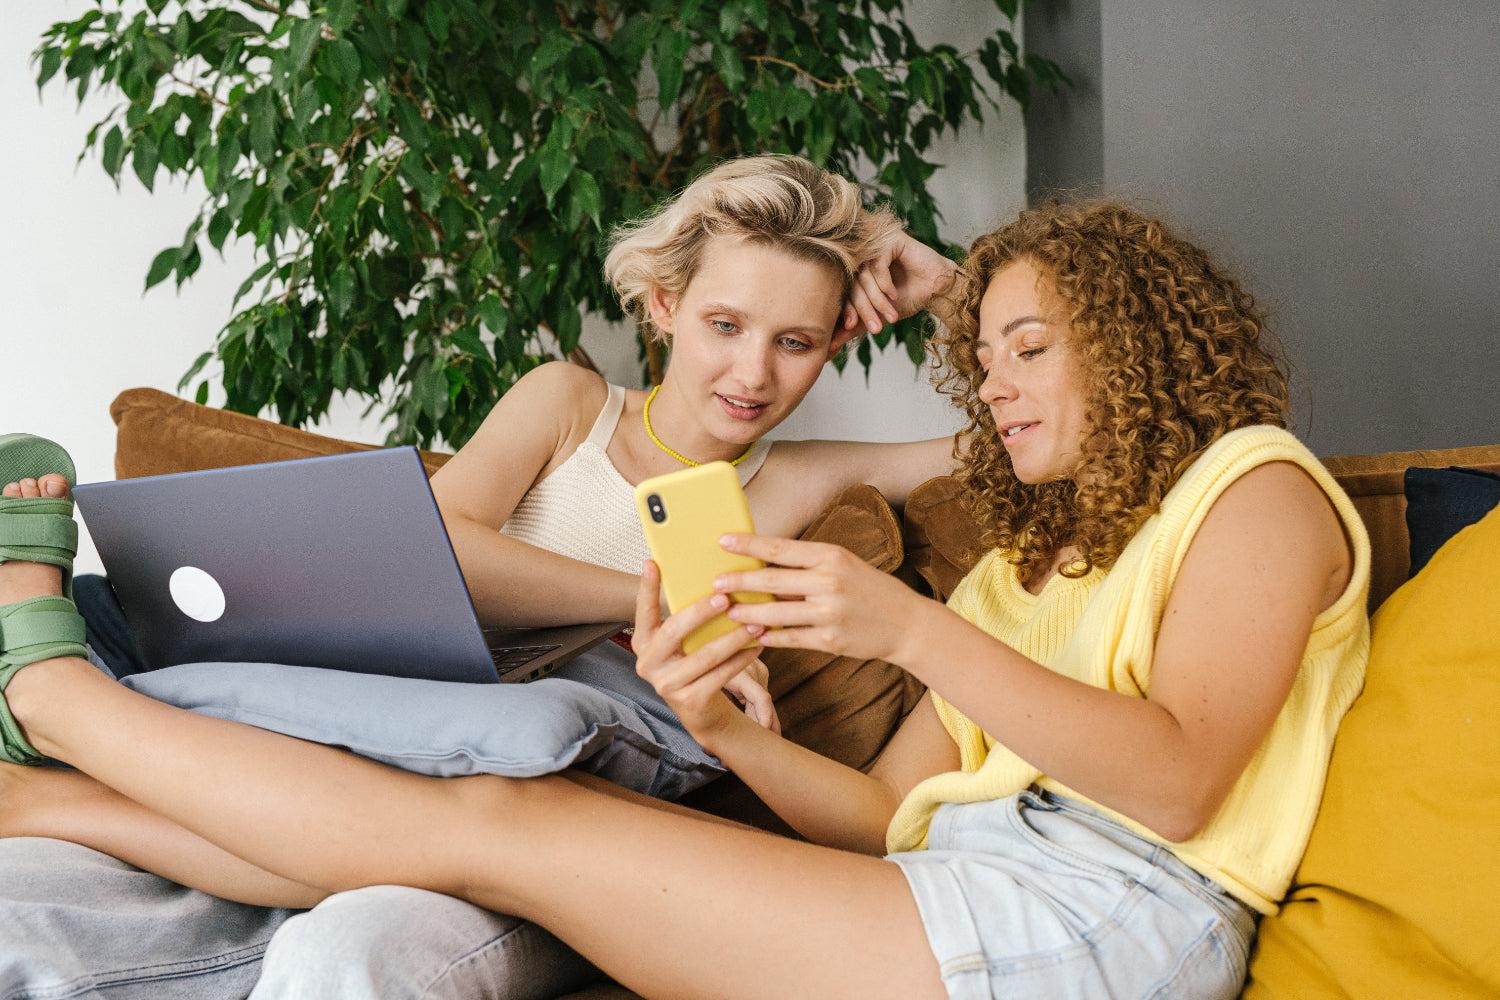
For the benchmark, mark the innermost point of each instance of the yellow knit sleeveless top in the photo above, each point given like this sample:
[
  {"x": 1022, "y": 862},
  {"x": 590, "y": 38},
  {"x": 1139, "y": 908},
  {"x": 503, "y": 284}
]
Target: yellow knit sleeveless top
[{"x": 1101, "y": 629}]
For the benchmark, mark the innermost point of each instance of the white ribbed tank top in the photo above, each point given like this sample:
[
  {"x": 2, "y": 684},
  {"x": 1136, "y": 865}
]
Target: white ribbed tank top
[{"x": 585, "y": 509}]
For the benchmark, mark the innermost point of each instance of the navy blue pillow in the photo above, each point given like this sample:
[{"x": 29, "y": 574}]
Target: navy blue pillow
[{"x": 1442, "y": 502}]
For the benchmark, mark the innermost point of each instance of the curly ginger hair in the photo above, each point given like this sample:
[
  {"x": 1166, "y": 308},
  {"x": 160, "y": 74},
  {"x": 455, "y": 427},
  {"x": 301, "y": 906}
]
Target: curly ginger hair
[{"x": 1173, "y": 358}]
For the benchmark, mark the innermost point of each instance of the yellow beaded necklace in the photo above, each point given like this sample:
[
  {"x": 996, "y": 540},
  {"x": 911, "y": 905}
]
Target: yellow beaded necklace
[{"x": 646, "y": 417}]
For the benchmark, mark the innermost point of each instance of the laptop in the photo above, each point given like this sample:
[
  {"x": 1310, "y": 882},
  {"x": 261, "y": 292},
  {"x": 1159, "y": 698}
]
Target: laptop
[{"x": 339, "y": 561}]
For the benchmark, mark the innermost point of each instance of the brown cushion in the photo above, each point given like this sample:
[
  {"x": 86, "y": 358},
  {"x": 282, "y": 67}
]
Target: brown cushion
[
  {"x": 159, "y": 434},
  {"x": 840, "y": 707},
  {"x": 942, "y": 539}
]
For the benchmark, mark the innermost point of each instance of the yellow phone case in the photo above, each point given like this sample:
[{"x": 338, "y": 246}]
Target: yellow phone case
[{"x": 683, "y": 514}]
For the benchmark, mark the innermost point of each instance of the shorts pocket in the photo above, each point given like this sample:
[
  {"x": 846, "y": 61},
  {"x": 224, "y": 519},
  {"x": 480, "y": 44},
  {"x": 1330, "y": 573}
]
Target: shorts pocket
[{"x": 1025, "y": 803}]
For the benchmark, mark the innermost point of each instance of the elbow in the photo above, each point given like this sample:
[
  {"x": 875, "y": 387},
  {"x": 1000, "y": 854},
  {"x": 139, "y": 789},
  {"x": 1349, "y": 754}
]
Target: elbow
[{"x": 1185, "y": 815}]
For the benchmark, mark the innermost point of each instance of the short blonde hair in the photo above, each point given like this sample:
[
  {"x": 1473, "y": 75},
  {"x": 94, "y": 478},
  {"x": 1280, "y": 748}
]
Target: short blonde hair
[{"x": 780, "y": 201}]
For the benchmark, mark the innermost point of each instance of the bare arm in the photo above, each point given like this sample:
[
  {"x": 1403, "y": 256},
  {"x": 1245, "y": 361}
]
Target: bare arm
[
  {"x": 513, "y": 582},
  {"x": 1269, "y": 556},
  {"x": 827, "y": 802}
]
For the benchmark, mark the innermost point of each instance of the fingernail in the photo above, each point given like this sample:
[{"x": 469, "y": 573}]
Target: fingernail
[
  {"x": 721, "y": 601},
  {"x": 726, "y": 541},
  {"x": 873, "y": 326},
  {"x": 55, "y": 489},
  {"x": 721, "y": 583},
  {"x": 755, "y": 629}
]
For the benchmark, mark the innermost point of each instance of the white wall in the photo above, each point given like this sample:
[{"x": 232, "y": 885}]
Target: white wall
[{"x": 76, "y": 329}]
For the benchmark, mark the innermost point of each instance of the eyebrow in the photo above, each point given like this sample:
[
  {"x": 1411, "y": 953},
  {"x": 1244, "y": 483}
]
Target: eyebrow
[
  {"x": 1011, "y": 327},
  {"x": 710, "y": 307}
]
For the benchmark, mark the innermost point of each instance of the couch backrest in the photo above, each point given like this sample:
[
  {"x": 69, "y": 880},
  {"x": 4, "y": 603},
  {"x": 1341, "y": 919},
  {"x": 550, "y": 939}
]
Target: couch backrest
[{"x": 942, "y": 541}]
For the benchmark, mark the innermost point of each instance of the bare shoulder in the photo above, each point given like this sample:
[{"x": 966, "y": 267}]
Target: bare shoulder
[
  {"x": 1279, "y": 510},
  {"x": 558, "y": 395}
]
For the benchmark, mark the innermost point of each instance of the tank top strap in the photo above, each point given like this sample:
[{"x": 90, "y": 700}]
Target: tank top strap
[
  {"x": 609, "y": 417},
  {"x": 751, "y": 465}
]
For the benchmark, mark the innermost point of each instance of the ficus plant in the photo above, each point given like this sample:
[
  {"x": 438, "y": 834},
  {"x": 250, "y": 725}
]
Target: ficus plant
[{"x": 428, "y": 184}]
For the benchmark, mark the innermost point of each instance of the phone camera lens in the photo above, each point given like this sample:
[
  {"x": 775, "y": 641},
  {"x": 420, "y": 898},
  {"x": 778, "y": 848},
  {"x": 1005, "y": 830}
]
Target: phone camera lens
[{"x": 654, "y": 505}]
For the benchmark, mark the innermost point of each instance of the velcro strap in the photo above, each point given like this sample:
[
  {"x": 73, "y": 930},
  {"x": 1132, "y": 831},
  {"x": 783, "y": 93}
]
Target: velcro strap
[
  {"x": 31, "y": 628},
  {"x": 58, "y": 531}
]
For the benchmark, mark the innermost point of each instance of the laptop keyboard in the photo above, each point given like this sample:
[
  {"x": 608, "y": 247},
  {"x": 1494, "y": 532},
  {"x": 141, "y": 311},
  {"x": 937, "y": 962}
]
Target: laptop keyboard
[{"x": 517, "y": 656}]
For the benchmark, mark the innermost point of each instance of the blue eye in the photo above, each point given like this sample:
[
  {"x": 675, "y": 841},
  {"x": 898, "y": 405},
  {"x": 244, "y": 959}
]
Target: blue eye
[
  {"x": 723, "y": 325},
  {"x": 794, "y": 345},
  {"x": 1028, "y": 355}
]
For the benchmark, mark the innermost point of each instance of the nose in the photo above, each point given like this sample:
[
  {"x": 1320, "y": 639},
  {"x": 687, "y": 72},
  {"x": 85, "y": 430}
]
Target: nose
[
  {"x": 997, "y": 387},
  {"x": 753, "y": 367}
]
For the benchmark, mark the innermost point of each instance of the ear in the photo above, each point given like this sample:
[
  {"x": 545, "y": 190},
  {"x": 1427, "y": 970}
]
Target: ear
[
  {"x": 662, "y": 305},
  {"x": 844, "y": 334}
]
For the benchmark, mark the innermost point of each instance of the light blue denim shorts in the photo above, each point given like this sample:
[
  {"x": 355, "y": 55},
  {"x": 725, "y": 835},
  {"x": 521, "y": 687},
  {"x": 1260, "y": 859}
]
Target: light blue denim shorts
[{"x": 1038, "y": 895}]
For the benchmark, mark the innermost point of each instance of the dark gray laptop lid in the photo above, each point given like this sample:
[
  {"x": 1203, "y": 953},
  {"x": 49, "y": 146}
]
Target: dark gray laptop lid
[{"x": 339, "y": 561}]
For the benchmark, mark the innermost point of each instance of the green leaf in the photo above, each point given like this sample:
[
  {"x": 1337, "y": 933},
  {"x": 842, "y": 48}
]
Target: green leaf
[
  {"x": 162, "y": 265},
  {"x": 731, "y": 70},
  {"x": 585, "y": 191},
  {"x": 556, "y": 164},
  {"x": 569, "y": 329},
  {"x": 340, "y": 14},
  {"x": 340, "y": 290},
  {"x": 304, "y": 39},
  {"x": 144, "y": 158},
  {"x": 344, "y": 60},
  {"x": 494, "y": 314},
  {"x": 466, "y": 339},
  {"x": 113, "y": 154},
  {"x": 51, "y": 60},
  {"x": 667, "y": 58},
  {"x": 873, "y": 85},
  {"x": 430, "y": 391},
  {"x": 202, "y": 360},
  {"x": 201, "y": 397},
  {"x": 435, "y": 16}
]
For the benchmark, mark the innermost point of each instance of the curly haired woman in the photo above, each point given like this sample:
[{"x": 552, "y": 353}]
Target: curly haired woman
[{"x": 1134, "y": 693}]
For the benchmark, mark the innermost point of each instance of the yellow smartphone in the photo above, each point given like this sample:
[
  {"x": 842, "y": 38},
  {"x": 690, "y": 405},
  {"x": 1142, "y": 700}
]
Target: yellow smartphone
[{"x": 683, "y": 514}]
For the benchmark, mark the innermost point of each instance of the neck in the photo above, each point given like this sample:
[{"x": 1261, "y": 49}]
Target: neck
[{"x": 675, "y": 424}]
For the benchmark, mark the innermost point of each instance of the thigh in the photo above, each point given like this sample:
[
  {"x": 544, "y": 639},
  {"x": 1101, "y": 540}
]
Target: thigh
[
  {"x": 398, "y": 943},
  {"x": 80, "y": 923},
  {"x": 674, "y": 905}
]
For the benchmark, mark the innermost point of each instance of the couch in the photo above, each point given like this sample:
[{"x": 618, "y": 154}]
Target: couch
[{"x": 1396, "y": 896}]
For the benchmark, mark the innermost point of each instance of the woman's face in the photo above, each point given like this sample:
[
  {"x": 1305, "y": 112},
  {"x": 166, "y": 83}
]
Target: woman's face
[
  {"x": 1033, "y": 381},
  {"x": 750, "y": 335}
]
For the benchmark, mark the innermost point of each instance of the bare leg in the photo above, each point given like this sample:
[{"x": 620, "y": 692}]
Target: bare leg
[
  {"x": 672, "y": 905},
  {"x": 69, "y": 805}
]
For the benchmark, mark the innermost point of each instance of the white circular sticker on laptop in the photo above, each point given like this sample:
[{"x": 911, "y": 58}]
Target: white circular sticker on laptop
[{"x": 197, "y": 594}]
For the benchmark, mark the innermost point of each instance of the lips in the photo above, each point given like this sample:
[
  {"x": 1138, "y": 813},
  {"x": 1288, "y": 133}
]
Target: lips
[
  {"x": 1012, "y": 431},
  {"x": 740, "y": 408}
]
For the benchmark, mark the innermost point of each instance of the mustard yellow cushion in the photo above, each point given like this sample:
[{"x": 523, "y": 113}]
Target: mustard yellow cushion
[{"x": 1398, "y": 894}]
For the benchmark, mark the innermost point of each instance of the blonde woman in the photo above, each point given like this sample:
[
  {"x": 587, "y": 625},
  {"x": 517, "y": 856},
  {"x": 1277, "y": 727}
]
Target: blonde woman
[{"x": 747, "y": 275}]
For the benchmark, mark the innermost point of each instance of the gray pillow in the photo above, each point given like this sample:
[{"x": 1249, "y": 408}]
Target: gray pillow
[{"x": 594, "y": 714}]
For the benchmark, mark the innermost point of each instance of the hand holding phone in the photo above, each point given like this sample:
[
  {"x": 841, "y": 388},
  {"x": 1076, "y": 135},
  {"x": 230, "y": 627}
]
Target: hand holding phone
[{"x": 683, "y": 515}]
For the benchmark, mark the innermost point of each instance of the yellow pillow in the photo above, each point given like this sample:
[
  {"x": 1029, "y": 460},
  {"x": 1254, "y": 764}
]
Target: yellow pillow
[{"x": 1398, "y": 894}]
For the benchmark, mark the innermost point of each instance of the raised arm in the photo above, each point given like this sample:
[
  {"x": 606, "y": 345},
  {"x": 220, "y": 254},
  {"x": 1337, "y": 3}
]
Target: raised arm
[{"x": 523, "y": 439}]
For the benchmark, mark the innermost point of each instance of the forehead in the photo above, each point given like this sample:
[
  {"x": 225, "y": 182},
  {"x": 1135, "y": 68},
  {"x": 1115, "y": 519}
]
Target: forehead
[
  {"x": 1017, "y": 289},
  {"x": 751, "y": 275}
]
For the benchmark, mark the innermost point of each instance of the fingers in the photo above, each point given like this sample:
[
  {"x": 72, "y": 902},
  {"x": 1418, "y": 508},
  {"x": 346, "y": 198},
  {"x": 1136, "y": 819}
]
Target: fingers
[
  {"x": 880, "y": 270},
  {"x": 877, "y": 296},
  {"x": 685, "y": 622},
  {"x": 758, "y": 704},
  {"x": 781, "y": 582},
  {"x": 780, "y": 614},
  {"x": 709, "y": 669},
  {"x": 868, "y": 314},
  {"x": 647, "y": 604},
  {"x": 780, "y": 551}
]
